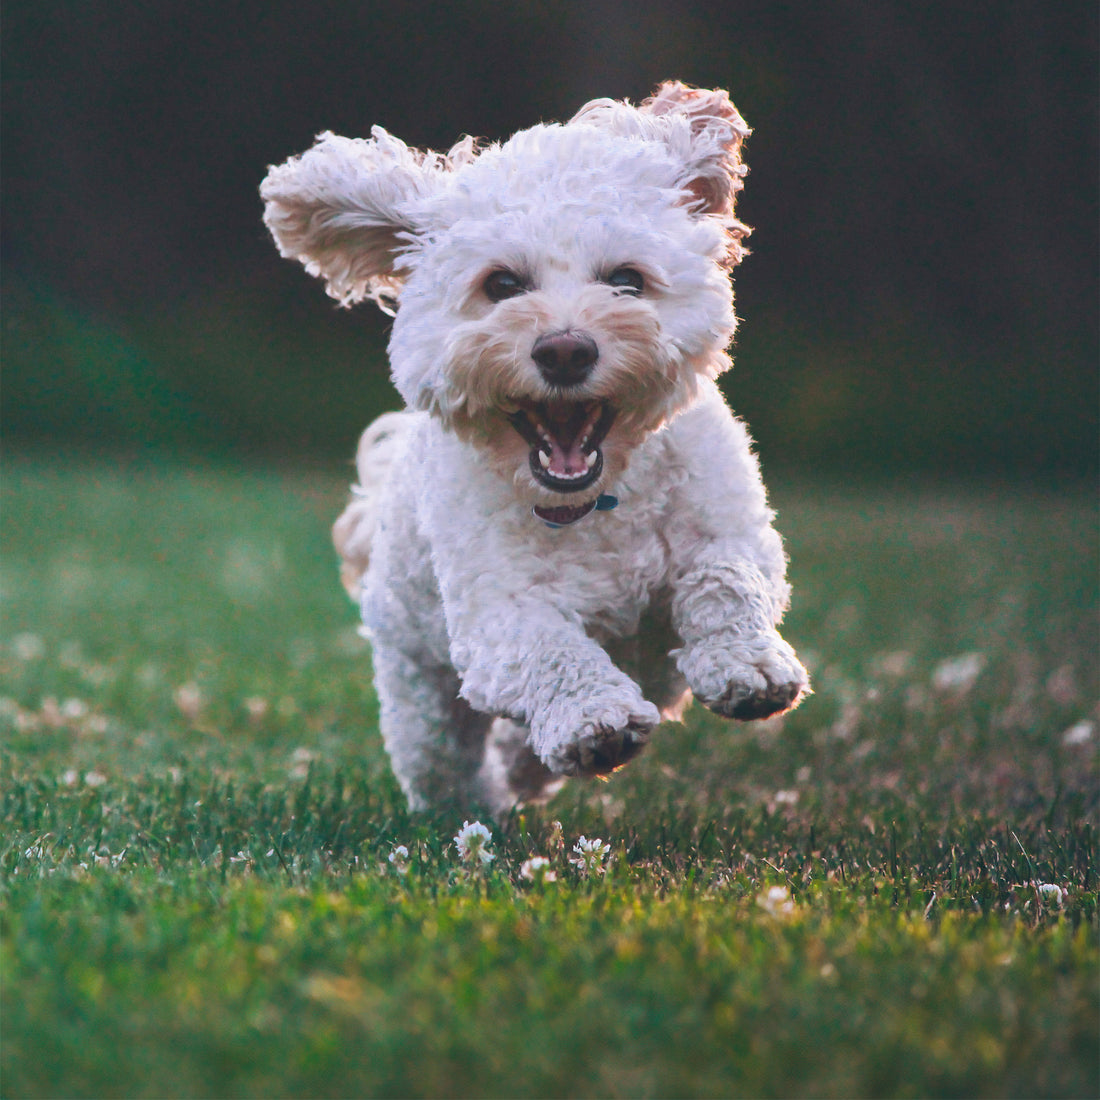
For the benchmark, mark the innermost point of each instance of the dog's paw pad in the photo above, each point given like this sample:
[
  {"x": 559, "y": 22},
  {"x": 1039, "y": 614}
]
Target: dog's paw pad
[
  {"x": 756, "y": 678},
  {"x": 747, "y": 705},
  {"x": 604, "y": 750},
  {"x": 600, "y": 749}
]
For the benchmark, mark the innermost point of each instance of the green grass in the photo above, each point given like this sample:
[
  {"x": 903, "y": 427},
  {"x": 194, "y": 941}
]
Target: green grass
[{"x": 196, "y": 816}]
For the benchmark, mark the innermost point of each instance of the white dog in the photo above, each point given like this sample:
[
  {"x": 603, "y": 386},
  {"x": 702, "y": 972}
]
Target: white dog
[{"x": 565, "y": 536}]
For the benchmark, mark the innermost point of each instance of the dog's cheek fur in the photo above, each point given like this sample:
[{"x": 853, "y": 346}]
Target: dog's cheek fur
[
  {"x": 638, "y": 371},
  {"x": 487, "y": 362}
]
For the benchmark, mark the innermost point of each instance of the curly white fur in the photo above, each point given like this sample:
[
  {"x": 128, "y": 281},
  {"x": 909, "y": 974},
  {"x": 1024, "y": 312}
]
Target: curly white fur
[{"x": 564, "y": 309}]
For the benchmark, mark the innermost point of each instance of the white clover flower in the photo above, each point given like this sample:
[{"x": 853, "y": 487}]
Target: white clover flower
[
  {"x": 537, "y": 869},
  {"x": 256, "y": 707},
  {"x": 399, "y": 859},
  {"x": 73, "y": 710},
  {"x": 103, "y": 858},
  {"x": 472, "y": 843},
  {"x": 958, "y": 674},
  {"x": 1050, "y": 893},
  {"x": 300, "y": 760},
  {"x": 1080, "y": 733},
  {"x": 190, "y": 700},
  {"x": 776, "y": 901},
  {"x": 589, "y": 855}
]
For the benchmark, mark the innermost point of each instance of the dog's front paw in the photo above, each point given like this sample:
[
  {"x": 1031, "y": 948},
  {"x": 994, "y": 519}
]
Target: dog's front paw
[
  {"x": 750, "y": 678},
  {"x": 605, "y": 739}
]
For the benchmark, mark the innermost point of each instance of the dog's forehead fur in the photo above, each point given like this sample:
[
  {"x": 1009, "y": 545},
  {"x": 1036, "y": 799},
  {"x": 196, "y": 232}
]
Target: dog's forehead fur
[
  {"x": 560, "y": 204},
  {"x": 556, "y": 165}
]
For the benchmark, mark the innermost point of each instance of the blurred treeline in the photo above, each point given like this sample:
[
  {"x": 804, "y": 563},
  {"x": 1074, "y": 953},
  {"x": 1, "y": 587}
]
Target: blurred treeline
[{"x": 922, "y": 293}]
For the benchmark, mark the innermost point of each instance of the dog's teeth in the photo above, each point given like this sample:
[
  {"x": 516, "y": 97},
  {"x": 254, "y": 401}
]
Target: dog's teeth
[
  {"x": 590, "y": 459},
  {"x": 544, "y": 460}
]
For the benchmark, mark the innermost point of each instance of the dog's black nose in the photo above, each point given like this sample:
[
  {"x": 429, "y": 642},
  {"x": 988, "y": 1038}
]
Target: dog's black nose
[{"x": 565, "y": 358}]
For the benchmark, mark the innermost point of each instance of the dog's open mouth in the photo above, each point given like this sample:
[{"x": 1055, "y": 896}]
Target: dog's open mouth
[{"x": 565, "y": 438}]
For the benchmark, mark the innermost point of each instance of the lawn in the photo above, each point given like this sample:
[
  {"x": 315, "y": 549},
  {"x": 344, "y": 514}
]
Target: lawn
[{"x": 210, "y": 885}]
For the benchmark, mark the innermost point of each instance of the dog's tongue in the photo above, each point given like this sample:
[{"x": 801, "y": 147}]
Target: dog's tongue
[
  {"x": 566, "y": 460},
  {"x": 565, "y": 428}
]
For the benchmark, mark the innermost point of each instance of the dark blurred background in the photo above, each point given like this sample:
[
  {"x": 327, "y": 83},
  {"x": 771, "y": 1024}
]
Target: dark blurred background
[{"x": 922, "y": 294}]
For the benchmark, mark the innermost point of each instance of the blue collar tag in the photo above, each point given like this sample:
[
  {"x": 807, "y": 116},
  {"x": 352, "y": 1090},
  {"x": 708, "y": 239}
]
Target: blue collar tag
[{"x": 605, "y": 502}]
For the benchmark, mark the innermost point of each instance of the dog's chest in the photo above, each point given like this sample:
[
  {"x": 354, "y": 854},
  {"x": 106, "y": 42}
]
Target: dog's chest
[
  {"x": 492, "y": 554},
  {"x": 608, "y": 569}
]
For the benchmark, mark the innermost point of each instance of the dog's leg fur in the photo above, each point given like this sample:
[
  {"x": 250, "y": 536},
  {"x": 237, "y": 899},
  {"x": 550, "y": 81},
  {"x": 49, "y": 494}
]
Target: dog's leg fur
[
  {"x": 730, "y": 591},
  {"x": 585, "y": 716},
  {"x": 738, "y": 665},
  {"x": 511, "y": 772},
  {"x": 434, "y": 739}
]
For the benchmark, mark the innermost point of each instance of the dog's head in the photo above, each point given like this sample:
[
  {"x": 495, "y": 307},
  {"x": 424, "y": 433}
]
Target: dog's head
[{"x": 557, "y": 296}]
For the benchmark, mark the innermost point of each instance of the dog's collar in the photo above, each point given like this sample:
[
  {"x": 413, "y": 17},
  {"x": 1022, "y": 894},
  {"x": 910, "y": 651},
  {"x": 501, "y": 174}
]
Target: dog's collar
[{"x": 567, "y": 515}]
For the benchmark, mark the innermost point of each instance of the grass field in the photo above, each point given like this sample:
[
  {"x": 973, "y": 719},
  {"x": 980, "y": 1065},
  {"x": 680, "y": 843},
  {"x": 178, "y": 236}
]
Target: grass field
[{"x": 891, "y": 892}]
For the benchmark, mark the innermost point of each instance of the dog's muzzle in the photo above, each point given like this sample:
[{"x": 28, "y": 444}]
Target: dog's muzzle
[
  {"x": 565, "y": 438},
  {"x": 565, "y": 358}
]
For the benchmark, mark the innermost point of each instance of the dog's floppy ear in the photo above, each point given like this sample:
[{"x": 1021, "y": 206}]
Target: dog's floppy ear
[
  {"x": 716, "y": 132},
  {"x": 704, "y": 132},
  {"x": 341, "y": 208}
]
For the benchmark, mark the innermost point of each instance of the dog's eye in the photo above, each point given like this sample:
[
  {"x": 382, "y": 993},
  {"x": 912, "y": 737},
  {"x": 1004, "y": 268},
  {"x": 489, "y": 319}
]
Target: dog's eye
[
  {"x": 626, "y": 280},
  {"x": 499, "y": 285}
]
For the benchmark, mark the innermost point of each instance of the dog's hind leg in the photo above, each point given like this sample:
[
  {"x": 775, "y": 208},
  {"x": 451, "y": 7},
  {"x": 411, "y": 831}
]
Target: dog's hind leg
[
  {"x": 435, "y": 739},
  {"x": 512, "y": 773}
]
